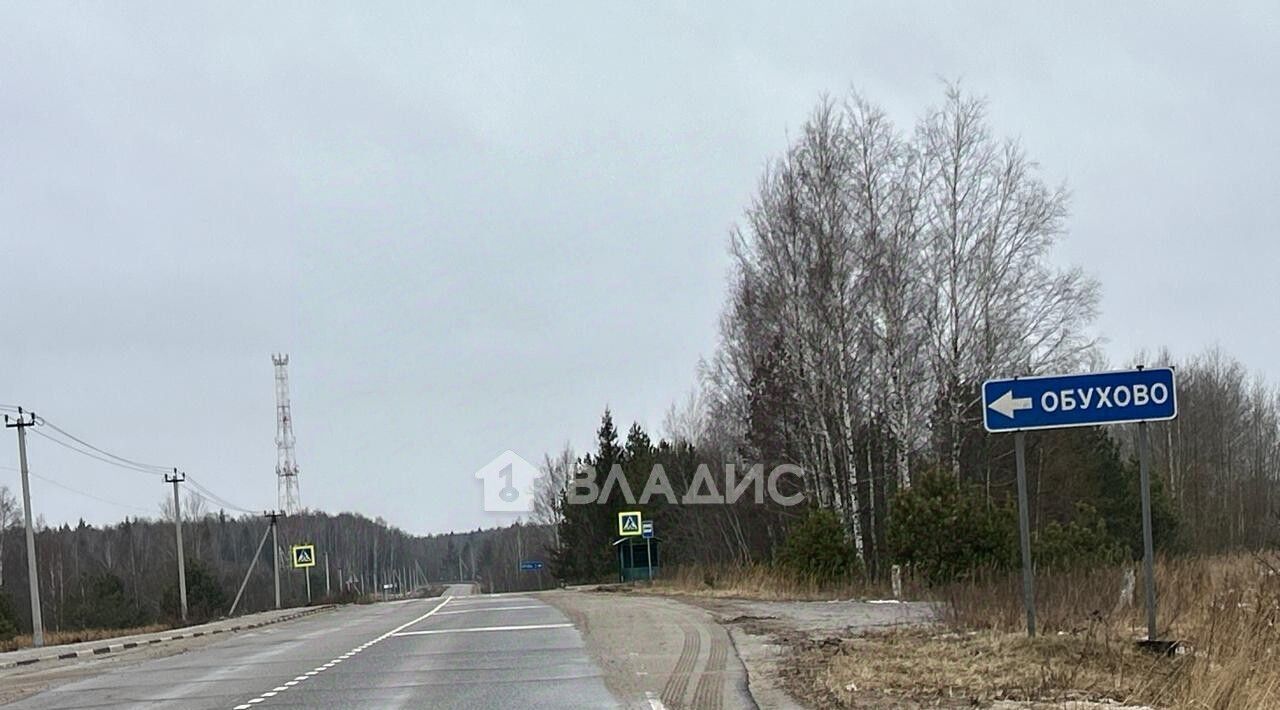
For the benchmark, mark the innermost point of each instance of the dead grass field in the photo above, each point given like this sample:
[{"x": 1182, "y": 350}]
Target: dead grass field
[
  {"x": 1224, "y": 610},
  {"x": 762, "y": 582}
]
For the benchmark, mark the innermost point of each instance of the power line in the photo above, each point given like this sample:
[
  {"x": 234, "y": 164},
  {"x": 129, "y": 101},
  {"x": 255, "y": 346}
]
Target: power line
[
  {"x": 207, "y": 495},
  {"x": 215, "y": 498},
  {"x": 90, "y": 495},
  {"x": 103, "y": 459},
  {"x": 82, "y": 442},
  {"x": 96, "y": 453}
]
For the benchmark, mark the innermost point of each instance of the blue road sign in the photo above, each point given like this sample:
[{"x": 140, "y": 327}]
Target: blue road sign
[
  {"x": 530, "y": 565},
  {"x": 1079, "y": 400},
  {"x": 646, "y": 528}
]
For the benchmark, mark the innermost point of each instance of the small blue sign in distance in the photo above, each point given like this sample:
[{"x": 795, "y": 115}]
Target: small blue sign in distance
[
  {"x": 530, "y": 565},
  {"x": 1079, "y": 400},
  {"x": 646, "y": 528}
]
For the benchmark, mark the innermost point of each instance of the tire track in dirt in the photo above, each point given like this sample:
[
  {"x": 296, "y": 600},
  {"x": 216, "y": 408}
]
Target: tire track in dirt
[
  {"x": 678, "y": 681},
  {"x": 709, "y": 692}
]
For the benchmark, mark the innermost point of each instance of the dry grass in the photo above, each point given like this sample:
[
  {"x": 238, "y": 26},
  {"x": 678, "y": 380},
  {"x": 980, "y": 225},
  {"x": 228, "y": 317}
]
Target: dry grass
[
  {"x": 759, "y": 582},
  {"x": 57, "y": 638},
  {"x": 922, "y": 667},
  {"x": 1225, "y": 611}
]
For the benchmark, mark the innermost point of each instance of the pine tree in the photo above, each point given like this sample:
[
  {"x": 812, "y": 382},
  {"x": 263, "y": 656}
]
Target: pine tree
[{"x": 586, "y": 533}]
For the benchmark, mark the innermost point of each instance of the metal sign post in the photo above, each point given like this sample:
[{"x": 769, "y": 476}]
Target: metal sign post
[
  {"x": 1148, "y": 543},
  {"x": 646, "y": 529},
  {"x": 1026, "y": 403},
  {"x": 1024, "y": 532}
]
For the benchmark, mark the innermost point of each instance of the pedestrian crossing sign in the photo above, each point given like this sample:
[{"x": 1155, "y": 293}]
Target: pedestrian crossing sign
[
  {"x": 629, "y": 523},
  {"x": 304, "y": 555}
]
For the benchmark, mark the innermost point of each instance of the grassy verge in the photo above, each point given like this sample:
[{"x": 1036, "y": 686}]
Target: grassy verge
[
  {"x": 761, "y": 582},
  {"x": 1225, "y": 611},
  {"x": 57, "y": 638}
]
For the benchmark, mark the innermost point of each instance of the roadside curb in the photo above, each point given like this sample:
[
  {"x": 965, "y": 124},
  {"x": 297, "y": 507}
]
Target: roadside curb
[{"x": 116, "y": 647}]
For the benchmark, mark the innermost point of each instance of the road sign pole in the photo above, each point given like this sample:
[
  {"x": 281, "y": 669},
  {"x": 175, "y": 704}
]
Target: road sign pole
[
  {"x": 1024, "y": 529},
  {"x": 1148, "y": 543},
  {"x": 648, "y": 556},
  {"x": 307, "y": 570}
]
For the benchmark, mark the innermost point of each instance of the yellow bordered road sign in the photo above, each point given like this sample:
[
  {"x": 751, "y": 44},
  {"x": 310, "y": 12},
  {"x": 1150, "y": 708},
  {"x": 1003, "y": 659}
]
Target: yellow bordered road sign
[
  {"x": 629, "y": 523},
  {"x": 304, "y": 555}
]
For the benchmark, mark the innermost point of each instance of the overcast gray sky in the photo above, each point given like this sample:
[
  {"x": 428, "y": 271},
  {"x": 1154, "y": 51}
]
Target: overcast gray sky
[{"x": 474, "y": 227}]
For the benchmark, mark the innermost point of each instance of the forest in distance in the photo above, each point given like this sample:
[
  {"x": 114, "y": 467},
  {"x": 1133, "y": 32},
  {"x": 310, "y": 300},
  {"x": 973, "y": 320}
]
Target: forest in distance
[{"x": 880, "y": 274}]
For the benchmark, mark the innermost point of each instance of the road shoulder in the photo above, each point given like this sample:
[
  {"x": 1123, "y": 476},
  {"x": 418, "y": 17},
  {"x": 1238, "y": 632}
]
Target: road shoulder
[
  {"x": 637, "y": 640},
  {"x": 657, "y": 652},
  {"x": 28, "y": 671},
  {"x": 771, "y": 636}
]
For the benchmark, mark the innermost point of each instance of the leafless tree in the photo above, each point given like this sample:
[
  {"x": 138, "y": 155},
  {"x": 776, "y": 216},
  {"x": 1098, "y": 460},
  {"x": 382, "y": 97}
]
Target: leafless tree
[
  {"x": 8, "y": 515},
  {"x": 879, "y": 278}
]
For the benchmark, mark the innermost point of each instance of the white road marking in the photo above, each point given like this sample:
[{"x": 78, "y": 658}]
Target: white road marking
[
  {"x": 654, "y": 702},
  {"x": 330, "y": 664},
  {"x": 492, "y": 608},
  {"x": 430, "y": 632}
]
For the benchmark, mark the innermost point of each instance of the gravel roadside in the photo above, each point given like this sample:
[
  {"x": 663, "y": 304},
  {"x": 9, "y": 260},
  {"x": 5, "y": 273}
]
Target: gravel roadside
[
  {"x": 699, "y": 652},
  {"x": 768, "y": 634},
  {"x": 657, "y": 652}
]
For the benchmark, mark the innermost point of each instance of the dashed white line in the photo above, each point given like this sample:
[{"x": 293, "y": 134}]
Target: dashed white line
[{"x": 331, "y": 664}]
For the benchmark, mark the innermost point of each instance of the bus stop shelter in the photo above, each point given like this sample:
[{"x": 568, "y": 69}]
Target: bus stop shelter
[{"x": 634, "y": 556}]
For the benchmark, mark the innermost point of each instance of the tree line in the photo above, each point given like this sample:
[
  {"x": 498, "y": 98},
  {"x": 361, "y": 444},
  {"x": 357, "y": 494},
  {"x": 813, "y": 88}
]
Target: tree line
[
  {"x": 880, "y": 275},
  {"x": 125, "y": 575}
]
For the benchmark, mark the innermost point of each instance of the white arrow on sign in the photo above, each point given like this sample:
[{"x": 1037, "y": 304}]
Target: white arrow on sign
[{"x": 1007, "y": 404}]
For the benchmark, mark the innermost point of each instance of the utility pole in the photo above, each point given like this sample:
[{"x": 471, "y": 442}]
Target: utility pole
[
  {"x": 252, "y": 564},
  {"x": 327, "y": 591},
  {"x": 274, "y": 515},
  {"x": 175, "y": 479},
  {"x": 33, "y": 577}
]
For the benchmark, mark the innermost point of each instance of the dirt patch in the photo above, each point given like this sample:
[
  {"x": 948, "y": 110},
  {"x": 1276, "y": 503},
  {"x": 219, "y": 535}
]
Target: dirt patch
[{"x": 922, "y": 667}]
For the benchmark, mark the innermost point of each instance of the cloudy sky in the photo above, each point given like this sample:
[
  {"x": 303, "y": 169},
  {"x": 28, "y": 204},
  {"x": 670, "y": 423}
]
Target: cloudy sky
[{"x": 472, "y": 227}]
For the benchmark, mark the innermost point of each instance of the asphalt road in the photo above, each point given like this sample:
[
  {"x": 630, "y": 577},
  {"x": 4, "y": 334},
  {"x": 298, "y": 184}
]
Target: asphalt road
[{"x": 457, "y": 651}]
